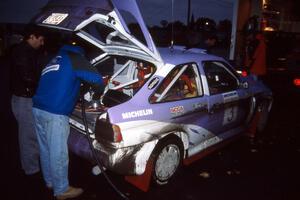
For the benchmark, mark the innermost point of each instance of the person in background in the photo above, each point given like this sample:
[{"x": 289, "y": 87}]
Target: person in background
[
  {"x": 205, "y": 41},
  {"x": 25, "y": 74},
  {"x": 209, "y": 43},
  {"x": 52, "y": 104},
  {"x": 256, "y": 54}
]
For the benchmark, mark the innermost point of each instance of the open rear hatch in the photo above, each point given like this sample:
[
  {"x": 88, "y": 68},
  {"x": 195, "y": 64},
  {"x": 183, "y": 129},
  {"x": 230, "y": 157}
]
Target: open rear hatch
[{"x": 114, "y": 26}]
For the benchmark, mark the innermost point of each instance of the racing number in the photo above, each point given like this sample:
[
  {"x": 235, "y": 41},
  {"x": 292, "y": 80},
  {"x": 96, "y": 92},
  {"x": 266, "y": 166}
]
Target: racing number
[{"x": 230, "y": 115}]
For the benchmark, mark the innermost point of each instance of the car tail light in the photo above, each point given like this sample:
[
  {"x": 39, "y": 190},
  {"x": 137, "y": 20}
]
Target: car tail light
[
  {"x": 108, "y": 132},
  {"x": 297, "y": 82},
  {"x": 117, "y": 133}
]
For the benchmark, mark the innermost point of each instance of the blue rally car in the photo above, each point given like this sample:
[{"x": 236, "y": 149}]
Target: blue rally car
[{"x": 162, "y": 107}]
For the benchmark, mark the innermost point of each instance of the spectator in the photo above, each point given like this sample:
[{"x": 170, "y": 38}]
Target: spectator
[
  {"x": 25, "y": 74},
  {"x": 209, "y": 43},
  {"x": 256, "y": 54}
]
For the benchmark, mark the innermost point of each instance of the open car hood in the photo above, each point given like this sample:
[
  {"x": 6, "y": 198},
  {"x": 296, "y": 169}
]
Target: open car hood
[{"x": 112, "y": 25}]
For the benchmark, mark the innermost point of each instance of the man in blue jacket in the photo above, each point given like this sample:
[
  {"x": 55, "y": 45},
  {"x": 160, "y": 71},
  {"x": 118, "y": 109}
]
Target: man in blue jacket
[{"x": 53, "y": 102}]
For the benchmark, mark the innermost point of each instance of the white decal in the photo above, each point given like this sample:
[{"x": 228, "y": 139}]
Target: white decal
[
  {"x": 230, "y": 115},
  {"x": 55, "y": 18},
  {"x": 51, "y": 68},
  {"x": 199, "y": 105},
  {"x": 230, "y": 96},
  {"x": 138, "y": 113},
  {"x": 153, "y": 83}
]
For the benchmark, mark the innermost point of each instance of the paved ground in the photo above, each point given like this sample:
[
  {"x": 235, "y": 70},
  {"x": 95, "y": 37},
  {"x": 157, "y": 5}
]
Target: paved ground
[{"x": 267, "y": 168}]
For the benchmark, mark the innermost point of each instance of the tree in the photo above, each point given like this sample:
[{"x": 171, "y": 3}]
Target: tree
[{"x": 205, "y": 24}]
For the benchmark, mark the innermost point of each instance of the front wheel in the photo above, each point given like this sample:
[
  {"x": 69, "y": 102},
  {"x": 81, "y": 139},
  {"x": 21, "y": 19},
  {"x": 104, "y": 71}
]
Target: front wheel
[{"x": 167, "y": 159}]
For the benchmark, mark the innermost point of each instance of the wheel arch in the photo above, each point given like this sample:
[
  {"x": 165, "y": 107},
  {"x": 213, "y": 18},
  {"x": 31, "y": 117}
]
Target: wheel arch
[
  {"x": 180, "y": 135},
  {"x": 162, "y": 173}
]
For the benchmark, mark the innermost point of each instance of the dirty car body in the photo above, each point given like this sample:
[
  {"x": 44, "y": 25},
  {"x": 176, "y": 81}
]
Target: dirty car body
[{"x": 164, "y": 105}]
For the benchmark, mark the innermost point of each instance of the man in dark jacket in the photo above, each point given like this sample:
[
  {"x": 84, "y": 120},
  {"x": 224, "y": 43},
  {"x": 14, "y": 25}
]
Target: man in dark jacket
[
  {"x": 209, "y": 43},
  {"x": 25, "y": 74},
  {"x": 53, "y": 102}
]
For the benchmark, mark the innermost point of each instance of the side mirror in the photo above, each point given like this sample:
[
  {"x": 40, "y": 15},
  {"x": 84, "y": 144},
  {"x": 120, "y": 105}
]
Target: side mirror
[{"x": 244, "y": 85}]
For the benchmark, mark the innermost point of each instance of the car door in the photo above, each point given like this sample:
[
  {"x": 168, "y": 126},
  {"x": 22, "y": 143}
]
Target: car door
[
  {"x": 228, "y": 103},
  {"x": 181, "y": 97}
]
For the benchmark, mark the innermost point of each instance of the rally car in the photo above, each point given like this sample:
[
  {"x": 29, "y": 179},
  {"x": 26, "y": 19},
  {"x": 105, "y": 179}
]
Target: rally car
[{"x": 161, "y": 107}]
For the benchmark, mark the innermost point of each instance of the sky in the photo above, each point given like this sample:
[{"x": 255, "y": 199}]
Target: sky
[
  {"x": 153, "y": 11},
  {"x": 19, "y": 11},
  {"x": 156, "y": 10}
]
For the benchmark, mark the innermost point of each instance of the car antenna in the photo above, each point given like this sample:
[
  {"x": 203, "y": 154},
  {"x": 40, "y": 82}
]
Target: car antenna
[{"x": 172, "y": 27}]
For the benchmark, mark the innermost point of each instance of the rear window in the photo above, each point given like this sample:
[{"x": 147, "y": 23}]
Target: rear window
[
  {"x": 124, "y": 76},
  {"x": 104, "y": 34}
]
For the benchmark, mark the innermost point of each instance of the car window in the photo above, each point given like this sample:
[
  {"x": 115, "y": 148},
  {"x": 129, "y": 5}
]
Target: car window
[
  {"x": 124, "y": 75},
  {"x": 183, "y": 82},
  {"x": 219, "y": 78},
  {"x": 109, "y": 65},
  {"x": 104, "y": 34},
  {"x": 133, "y": 26}
]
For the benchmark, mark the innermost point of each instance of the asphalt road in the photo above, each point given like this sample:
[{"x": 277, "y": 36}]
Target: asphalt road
[{"x": 266, "y": 168}]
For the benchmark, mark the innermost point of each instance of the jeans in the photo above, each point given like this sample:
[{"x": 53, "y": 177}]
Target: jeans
[
  {"x": 52, "y": 133},
  {"x": 29, "y": 147}
]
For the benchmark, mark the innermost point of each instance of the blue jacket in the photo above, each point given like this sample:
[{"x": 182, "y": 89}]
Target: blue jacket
[{"x": 60, "y": 81}]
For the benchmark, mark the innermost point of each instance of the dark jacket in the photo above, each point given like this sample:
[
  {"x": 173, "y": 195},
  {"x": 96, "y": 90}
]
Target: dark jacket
[
  {"x": 60, "y": 81},
  {"x": 25, "y": 71}
]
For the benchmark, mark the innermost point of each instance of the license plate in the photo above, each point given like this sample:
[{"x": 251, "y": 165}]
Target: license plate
[{"x": 55, "y": 18}]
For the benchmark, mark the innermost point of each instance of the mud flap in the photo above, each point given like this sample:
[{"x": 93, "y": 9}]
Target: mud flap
[{"x": 143, "y": 181}]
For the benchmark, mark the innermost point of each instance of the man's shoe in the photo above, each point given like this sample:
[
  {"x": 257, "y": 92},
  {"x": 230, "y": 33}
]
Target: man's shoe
[{"x": 71, "y": 192}]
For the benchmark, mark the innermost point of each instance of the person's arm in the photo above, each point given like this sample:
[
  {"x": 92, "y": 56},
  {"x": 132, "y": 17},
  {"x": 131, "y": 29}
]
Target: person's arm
[{"x": 85, "y": 71}]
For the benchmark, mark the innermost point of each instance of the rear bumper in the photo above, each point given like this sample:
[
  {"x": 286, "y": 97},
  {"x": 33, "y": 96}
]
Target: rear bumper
[{"x": 126, "y": 161}]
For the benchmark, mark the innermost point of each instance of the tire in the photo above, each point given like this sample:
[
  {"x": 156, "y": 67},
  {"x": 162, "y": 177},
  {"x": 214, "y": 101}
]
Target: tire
[
  {"x": 264, "y": 115},
  {"x": 167, "y": 159}
]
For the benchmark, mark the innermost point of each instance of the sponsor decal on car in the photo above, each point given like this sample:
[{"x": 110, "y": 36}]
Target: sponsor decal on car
[
  {"x": 199, "y": 105},
  {"x": 55, "y": 18},
  {"x": 137, "y": 113},
  {"x": 153, "y": 83},
  {"x": 230, "y": 96},
  {"x": 177, "y": 110}
]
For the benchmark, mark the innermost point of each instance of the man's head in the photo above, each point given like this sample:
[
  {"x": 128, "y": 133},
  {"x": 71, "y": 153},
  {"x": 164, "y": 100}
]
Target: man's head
[
  {"x": 34, "y": 36},
  {"x": 211, "y": 40}
]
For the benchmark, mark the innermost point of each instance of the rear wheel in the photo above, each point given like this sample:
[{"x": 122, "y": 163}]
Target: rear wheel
[{"x": 167, "y": 157}]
